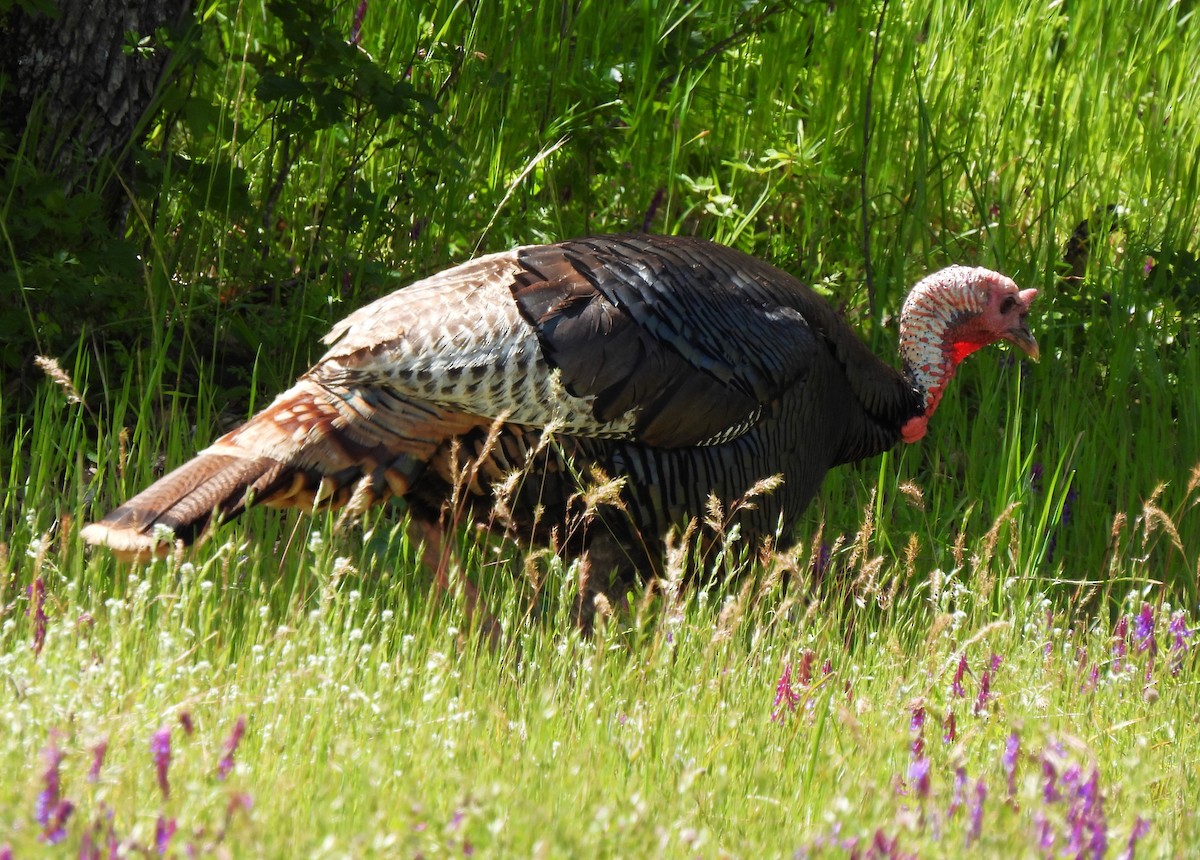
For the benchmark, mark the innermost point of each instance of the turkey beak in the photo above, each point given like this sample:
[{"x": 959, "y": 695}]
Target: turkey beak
[{"x": 1019, "y": 335}]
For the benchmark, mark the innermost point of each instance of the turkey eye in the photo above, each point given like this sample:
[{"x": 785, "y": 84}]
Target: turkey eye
[{"x": 1008, "y": 304}]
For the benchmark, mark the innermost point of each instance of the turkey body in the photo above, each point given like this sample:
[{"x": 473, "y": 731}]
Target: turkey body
[{"x": 500, "y": 389}]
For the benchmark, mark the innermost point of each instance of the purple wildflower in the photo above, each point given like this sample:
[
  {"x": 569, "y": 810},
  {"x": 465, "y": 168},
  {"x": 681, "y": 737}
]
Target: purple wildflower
[
  {"x": 1179, "y": 636},
  {"x": 1140, "y": 828},
  {"x": 956, "y": 686},
  {"x": 164, "y": 829},
  {"x": 55, "y": 830},
  {"x": 975, "y": 808},
  {"x": 916, "y": 726},
  {"x": 1009, "y": 758},
  {"x": 1012, "y": 750},
  {"x": 1089, "y": 793},
  {"x": 1093, "y": 680},
  {"x": 1120, "y": 646},
  {"x": 1071, "y": 779},
  {"x": 655, "y": 202},
  {"x": 1143, "y": 630},
  {"x": 827, "y": 668},
  {"x": 160, "y": 746},
  {"x": 239, "y": 801},
  {"x": 1050, "y": 792},
  {"x": 356, "y": 28},
  {"x": 985, "y": 693},
  {"x": 99, "y": 836},
  {"x": 881, "y": 846},
  {"x": 98, "y": 752},
  {"x": 51, "y": 810},
  {"x": 1085, "y": 816},
  {"x": 949, "y": 728},
  {"x": 995, "y": 662},
  {"x": 820, "y": 562},
  {"x": 49, "y": 796},
  {"x": 804, "y": 671},
  {"x": 230, "y": 747},
  {"x": 88, "y": 849},
  {"x": 37, "y": 608},
  {"x": 6, "y": 852},
  {"x": 1045, "y": 832},
  {"x": 784, "y": 694},
  {"x": 1099, "y": 841},
  {"x": 959, "y": 791},
  {"x": 918, "y": 776}
]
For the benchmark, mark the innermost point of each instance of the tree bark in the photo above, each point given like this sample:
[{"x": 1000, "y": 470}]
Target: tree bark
[{"x": 81, "y": 79}]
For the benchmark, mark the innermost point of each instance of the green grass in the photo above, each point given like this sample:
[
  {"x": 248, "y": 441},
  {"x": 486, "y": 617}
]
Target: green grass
[{"x": 376, "y": 723}]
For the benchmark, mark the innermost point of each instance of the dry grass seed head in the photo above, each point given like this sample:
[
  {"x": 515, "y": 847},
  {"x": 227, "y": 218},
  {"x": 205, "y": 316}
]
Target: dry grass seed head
[
  {"x": 484, "y": 451},
  {"x": 914, "y": 494},
  {"x": 934, "y": 655},
  {"x": 43, "y": 547},
  {"x": 678, "y": 547},
  {"x": 601, "y": 490},
  {"x": 935, "y": 586},
  {"x": 122, "y": 452},
  {"x": 732, "y": 613},
  {"x": 773, "y": 565},
  {"x": 1153, "y": 518},
  {"x": 503, "y": 492},
  {"x": 761, "y": 487},
  {"x": 64, "y": 532},
  {"x": 602, "y": 606},
  {"x": 959, "y": 551},
  {"x": 1192, "y": 484},
  {"x": 866, "y": 582},
  {"x": 58, "y": 376},
  {"x": 531, "y": 567},
  {"x": 714, "y": 514},
  {"x": 360, "y": 500},
  {"x": 862, "y": 540},
  {"x": 887, "y": 596},
  {"x": 981, "y": 634},
  {"x": 815, "y": 607},
  {"x": 987, "y": 548},
  {"x": 764, "y": 486},
  {"x": 456, "y": 471}
]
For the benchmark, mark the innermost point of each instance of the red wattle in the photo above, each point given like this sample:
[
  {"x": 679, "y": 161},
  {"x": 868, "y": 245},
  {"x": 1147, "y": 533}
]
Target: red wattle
[{"x": 960, "y": 349}]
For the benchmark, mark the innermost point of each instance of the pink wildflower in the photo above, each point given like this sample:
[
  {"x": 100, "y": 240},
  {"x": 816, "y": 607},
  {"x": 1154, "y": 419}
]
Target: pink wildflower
[{"x": 160, "y": 746}]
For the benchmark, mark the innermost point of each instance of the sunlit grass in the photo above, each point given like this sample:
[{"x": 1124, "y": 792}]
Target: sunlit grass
[
  {"x": 752, "y": 718},
  {"x": 1043, "y": 536}
]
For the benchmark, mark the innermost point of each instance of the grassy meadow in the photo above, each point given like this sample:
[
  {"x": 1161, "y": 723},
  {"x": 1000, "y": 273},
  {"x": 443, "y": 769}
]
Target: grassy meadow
[{"x": 981, "y": 643}]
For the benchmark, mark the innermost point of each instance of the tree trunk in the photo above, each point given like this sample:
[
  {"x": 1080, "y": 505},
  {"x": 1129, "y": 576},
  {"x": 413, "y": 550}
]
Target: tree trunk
[{"x": 80, "y": 80}]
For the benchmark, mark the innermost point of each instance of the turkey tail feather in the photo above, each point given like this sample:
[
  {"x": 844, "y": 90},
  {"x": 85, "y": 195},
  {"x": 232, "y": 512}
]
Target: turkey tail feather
[
  {"x": 183, "y": 501},
  {"x": 314, "y": 446}
]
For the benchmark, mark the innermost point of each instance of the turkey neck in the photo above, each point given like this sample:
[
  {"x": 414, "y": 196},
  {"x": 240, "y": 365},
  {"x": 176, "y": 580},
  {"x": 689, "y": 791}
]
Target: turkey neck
[{"x": 936, "y": 334}]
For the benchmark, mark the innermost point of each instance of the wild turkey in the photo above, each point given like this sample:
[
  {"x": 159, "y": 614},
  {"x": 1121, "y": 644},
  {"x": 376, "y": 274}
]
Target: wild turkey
[{"x": 683, "y": 367}]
